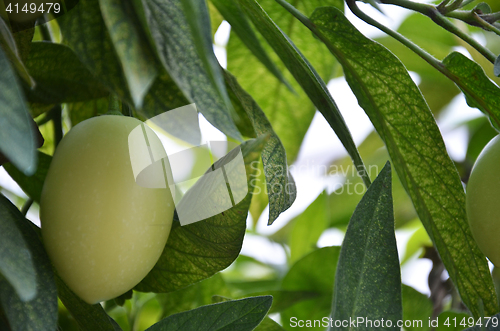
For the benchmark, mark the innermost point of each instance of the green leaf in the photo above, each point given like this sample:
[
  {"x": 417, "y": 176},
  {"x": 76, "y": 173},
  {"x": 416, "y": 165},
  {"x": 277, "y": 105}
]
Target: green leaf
[
  {"x": 31, "y": 185},
  {"x": 8, "y": 44},
  {"x": 17, "y": 136},
  {"x": 368, "y": 279},
  {"x": 199, "y": 250},
  {"x": 83, "y": 29},
  {"x": 88, "y": 317},
  {"x": 241, "y": 26},
  {"x": 284, "y": 109},
  {"x": 417, "y": 241},
  {"x": 131, "y": 46},
  {"x": 417, "y": 308},
  {"x": 23, "y": 41},
  {"x": 480, "y": 92},
  {"x": 308, "y": 227},
  {"x": 314, "y": 272},
  {"x": 177, "y": 49},
  {"x": 269, "y": 325},
  {"x": 39, "y": 313},
  {"x": 436, "y": 41},
  {"x": 60, "y": 76},
  {"x": 305, "y": 75},
  {"x": 193, "y": 296},
  {"x": 80, "y": 111},
  {"x": 480, "y": 133},
  {"x": 163, "y": 96},
  {"x": 16, "y": 262},
  {"x": 280, "y": 184},
  {"x": 235, "y": 315},
  {"x": 198, "y": 18},
  {"x": 403, "y": 120}
]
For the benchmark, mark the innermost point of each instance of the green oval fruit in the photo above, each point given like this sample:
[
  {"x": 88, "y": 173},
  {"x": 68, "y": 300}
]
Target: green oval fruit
[
  {"x": 103, "y": 232},
  {"x": 483, "y": 201}
]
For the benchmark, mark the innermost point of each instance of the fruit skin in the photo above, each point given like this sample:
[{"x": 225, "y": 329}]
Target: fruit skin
[
  {"x": 483, "y": 201},
  {"x": 102, "y": 231}
]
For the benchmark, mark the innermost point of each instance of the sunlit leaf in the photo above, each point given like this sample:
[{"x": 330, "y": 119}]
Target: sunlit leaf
[
  {"x": 400, "y": 115},
  {"x": 479, "y": 90},
  {"x": 193, "y": 296},
  {"x": 308, "y": 227},
  {"x": 315, "y": 272},
  {"x": 417, "y": 309}
]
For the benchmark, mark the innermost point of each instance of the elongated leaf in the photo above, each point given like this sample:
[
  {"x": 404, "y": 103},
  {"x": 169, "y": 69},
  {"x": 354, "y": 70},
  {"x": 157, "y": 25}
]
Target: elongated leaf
[
  {"x": 235, "y": 315},
  {"x": 39, "y": 313},
  {"x": 8, "y": 44},
  {"x": 163, "y": 96},
  {"x": 480, "y": 92},
  {"x": 88, "y": 317},
  {"x": 368, "y": 279},
  {"x": 308, "y": 227},
  {"x": 280, "y": 184},
  {"x": 60, "y": 76},
  {"x": 83, "y": 29},
  {"x": 436, "y": 41},
  {"x": 23, "y": 41},
  {"x": 417, "y": 307},
  {"x": 403, "y": 120},
  {"x": 198, "y": 18},
  {"x": 199, "y": 250},
  {"x": 241, "y": 26},
  {"x": 16, "y": 261},
  {"x": 31, "y": 185},
  {"x": 131, "y": 45},
  {"x": 315, "y": 273},
  {"x": 283, "y": 108},
  {"x": 177, "y": 49},
  {"x": 305, "y": 75},
  {"x": 267, "y": 323},
  {"x": 17, "y": 136}
]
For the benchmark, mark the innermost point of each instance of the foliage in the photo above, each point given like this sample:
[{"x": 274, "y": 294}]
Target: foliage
[{"x": 143, "y": 58}]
